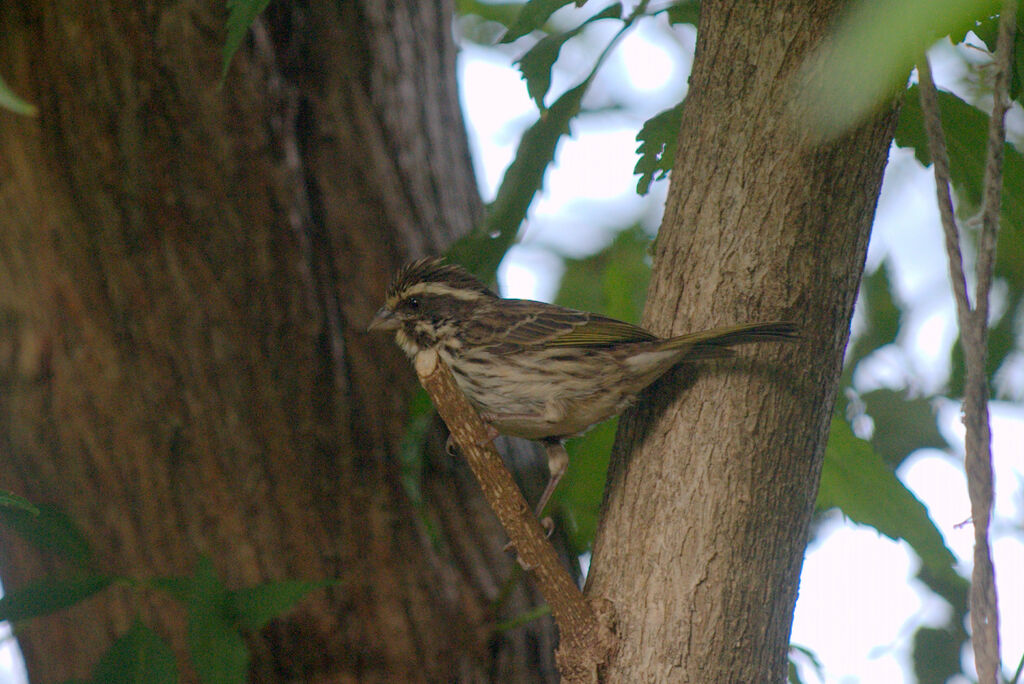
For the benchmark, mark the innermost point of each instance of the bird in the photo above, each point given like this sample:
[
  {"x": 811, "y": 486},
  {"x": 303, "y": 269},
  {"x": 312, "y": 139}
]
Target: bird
[{"x": 536, "y": 370}]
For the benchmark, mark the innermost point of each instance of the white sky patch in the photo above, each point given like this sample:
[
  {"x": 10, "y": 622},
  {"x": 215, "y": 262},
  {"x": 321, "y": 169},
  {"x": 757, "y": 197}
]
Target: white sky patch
[
  {"x": 518, "y": 281},
  {"x": 530, "y": 273},
  {"x": 939, "y": 481},
  {"x": 497, "y": 110},
  {"x": 855, "y": 595},
  {"x": 650, "y": 66}
]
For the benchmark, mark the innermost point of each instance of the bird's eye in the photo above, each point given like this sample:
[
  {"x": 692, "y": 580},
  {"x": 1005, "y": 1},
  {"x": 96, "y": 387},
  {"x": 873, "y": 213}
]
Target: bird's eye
[{"x": 414, "y": 303}]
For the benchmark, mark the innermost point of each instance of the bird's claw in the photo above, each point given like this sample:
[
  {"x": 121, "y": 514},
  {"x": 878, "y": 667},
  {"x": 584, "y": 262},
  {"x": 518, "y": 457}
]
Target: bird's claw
[{"x": 549, "y": 526}]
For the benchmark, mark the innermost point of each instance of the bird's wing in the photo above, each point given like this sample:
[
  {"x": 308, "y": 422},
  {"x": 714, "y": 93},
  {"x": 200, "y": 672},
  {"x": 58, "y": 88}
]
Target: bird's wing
[
  {"x": 527, "y": 323},
  {"x": 600, "y": 331}
]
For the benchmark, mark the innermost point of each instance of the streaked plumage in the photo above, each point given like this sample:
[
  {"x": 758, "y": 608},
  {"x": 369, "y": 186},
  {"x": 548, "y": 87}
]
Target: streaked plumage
[{"x": 537, "y": 370}]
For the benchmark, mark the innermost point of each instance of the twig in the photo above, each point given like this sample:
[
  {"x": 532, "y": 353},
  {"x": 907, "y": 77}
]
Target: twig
[
  {"x": 974, "y": 332},
  {"x": 993, "y": 184},
  {"x": 586, "y": 640},
  {"x": 940, "y": 163}
]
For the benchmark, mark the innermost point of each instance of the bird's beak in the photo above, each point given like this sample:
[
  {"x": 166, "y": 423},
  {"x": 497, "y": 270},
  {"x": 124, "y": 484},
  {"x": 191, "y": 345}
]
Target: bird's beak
[{"x": 384, "y": 320}]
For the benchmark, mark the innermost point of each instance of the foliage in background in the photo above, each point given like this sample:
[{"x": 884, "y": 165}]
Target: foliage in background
[
  {"x": 482, "y": 250},
  {"x": 858, "y": 474},
  {"x": 870, "y": 54},
  {"x": 219, "y": 618},
  {"x": 614, "y": 282}
]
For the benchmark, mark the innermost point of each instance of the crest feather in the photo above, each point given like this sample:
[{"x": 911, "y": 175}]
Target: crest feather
[{"x": 435, "y": 270}]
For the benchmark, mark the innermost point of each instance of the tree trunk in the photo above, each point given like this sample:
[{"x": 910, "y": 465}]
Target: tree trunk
[
  {"x": 186, "y": 274},
  {"x": 710, "y": 491}
]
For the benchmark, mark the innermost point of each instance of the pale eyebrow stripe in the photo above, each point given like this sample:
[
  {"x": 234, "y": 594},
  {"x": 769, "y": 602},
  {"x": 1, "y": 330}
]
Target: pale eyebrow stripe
[{"x": 441, "y": 289}]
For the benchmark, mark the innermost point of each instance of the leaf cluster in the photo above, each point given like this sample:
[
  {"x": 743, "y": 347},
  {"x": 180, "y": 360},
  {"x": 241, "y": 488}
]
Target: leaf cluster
[
  {"x": 219, "y": 619},
  {"x": 482, "y": 250}
]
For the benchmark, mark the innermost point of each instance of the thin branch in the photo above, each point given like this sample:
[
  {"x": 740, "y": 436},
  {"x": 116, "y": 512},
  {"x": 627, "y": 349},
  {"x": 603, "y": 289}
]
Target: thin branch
[
  {"x": 993, "y": 183},
  {"x": 940, "y": 164},
  {"x": 974, "y": 333},
  {"x": 586, "y": 640}
]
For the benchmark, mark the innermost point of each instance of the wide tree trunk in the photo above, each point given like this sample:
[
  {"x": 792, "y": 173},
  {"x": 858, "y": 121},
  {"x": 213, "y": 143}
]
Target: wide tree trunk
[
  {"x": 711, "y": 491},
  {"x": 186, "y": 274}
]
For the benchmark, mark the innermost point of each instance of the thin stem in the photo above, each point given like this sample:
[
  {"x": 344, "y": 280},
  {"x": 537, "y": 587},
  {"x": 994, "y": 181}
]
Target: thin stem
[
  {"x": 940, "y": 164},
  {"x": 974, "y": 332},
  {"x": 993, "y": 185}
]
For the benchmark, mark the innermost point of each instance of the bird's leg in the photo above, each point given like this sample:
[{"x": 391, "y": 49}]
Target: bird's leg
[{"x": 558, "y": 463}]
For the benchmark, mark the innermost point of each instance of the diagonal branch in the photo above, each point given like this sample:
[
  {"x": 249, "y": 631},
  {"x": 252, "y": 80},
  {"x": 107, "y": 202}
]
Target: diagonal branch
[{"x": 586, "y": 640}]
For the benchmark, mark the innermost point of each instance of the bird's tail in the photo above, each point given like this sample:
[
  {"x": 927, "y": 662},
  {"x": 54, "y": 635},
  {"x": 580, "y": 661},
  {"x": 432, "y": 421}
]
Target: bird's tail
[{"x": 716, "y": 343}]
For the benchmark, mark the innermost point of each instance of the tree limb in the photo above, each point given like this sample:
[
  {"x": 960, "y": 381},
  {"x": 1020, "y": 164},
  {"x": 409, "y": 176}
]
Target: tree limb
[{"x": 586, "y": 640}]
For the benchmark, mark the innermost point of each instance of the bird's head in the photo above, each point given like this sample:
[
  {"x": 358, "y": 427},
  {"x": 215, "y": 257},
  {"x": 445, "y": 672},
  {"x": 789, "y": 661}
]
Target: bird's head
[{"x": 426, "y": 301}]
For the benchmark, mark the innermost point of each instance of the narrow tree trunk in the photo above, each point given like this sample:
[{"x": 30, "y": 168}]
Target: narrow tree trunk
[
  {"x": 186, "y": 274},
  {"x": 711, "y": 491}
]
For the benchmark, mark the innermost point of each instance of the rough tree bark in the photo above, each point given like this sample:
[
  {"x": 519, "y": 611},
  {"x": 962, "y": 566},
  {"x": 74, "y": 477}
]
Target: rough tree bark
[
  {"x": 710, "y": 492},
  {"x": 185, "y": 279}
]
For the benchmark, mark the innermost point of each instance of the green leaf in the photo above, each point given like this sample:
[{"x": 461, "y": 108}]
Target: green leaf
[
  {"x": 1002, "y": 341},
  {"x": 44, "y": 597},
  {"x": 51, "y": 529},
  {"x": 256, "y": 606},
  {"x": 536, "y": 64},
  {"x": 882, "y": 321},
  {"x": 937, "y": 655},
  {"x": 139, "y": 656},
  {"x": 811, "y": 657},
  {"x": 856, "y": 480},
  {"x": 902, "y": 425},
  {"x": 503, "y": 13},
  {"x": 684, "y": 12},
  {"x": 411, "y": 450},
  {"x": 532, "y": 18},
  {"x": 579, "y": 496},
  {"x": 883, "y": 313},
  {"x": 988, "y": 30},
  {"x": 10, "y": 101},
  {"x": 966, "y": 129},
  {"x": 242, "y": 13},
  {"x": 612, "y": 282},
  {"x": 1010, "y": 257},
  {"x": 10, "y": 500},
  {"x": 657, "y": 150},
  {"x": 869, "y": 57},
  {"x": 218, "y": 651},
  {"x": 526, "y": 618},
  {"x": 482, "y": 250}
]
